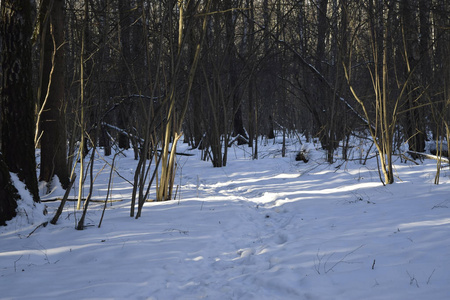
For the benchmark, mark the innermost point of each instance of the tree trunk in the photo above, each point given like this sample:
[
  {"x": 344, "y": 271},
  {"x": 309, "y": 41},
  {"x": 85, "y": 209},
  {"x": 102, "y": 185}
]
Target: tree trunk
[
  {"x": 51, "y": 95},
  {"x": 125, "y": 68},
  {"x": 414, "y": 125},
  {"x": 8, "y": 194},
  {"x": 17, "y": 103},
  {"x": 323, "y": 110},
  {"x": 238, "y": 125}
]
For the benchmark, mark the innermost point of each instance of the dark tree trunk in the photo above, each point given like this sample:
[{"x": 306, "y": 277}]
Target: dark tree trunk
[
  {"x": 238, "y": 125},
  {"x": 8, "y": 194},
  {"x": 251, "y": 83},
  {"x": 53, "y": 120},
  {"x": 197, "y": 123},
  {"x": 414, "y": 125},
  {"x": 125, "y": 67},
  {"x": 17, "y": 103},
  {"x": 104, "y": 140},
  {"x": 323, "y": 110},
  {"x": 270, "y": 132}
]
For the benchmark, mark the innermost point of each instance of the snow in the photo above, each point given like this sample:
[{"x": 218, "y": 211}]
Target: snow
[
  {"x": 28, "y": 212},
  {"x": 272, "y": 228}
]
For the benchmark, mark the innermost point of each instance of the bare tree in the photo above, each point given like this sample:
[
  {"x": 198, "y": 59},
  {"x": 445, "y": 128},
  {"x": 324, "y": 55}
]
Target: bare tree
[{"x": 388, "y": 94}]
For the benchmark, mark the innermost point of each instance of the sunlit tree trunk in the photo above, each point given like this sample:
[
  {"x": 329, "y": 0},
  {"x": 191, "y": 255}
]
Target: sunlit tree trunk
[{"x": 82, "y": 106}]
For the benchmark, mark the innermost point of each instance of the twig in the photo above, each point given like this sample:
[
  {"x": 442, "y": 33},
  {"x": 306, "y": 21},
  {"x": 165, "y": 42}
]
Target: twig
[
  {"x": 440, "y": 205},
  {"x": 16, "y": 262},
  {"x": 412, "y": 279},
  {"x": 319, "y": 259},
  {"x": 429, "y": 278},
  {"x": 42, "y": 224},
  {"x": 342, "y": 259}
]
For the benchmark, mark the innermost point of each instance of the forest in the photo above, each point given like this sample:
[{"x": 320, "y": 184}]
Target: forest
[
  {"x": 82, "y": 75},
  {"x": 302, "y": 145}
]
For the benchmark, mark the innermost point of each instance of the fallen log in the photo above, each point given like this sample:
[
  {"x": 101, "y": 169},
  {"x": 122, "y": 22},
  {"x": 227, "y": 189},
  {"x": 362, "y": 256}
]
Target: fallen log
[
  {"x": 83, "y": 199},
  {"x": 430, "y": 156}
]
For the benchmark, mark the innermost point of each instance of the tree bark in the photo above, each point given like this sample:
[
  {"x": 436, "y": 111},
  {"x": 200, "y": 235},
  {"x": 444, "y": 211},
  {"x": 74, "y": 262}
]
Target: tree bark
[
  {"x": 8, "y": 194},
  {"x": 17, "y": 103},
  {"x": 230, "y": 25},
  {"x": 51, "y": 94},
  {"x": 125, "y": 67},
  {"x": 414, "y": 125}
]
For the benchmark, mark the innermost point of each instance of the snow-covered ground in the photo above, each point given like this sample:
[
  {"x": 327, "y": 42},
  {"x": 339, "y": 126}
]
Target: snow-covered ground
[{"x": 271, "y": 228}]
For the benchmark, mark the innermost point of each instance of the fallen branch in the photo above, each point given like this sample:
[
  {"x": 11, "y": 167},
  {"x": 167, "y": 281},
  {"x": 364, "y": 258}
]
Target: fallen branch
[{"x": 179, "y": 153}]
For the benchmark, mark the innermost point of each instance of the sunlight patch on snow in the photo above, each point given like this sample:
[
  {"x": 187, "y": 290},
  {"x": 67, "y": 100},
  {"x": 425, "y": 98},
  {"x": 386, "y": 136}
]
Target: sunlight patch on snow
[
  {"x": 327, "y": 171},
  {"x": 247, "y": 180},
  {"x": 438, "y": 222},
  {"x": 117, "y": 189},
  {"x": 245, "y": 174},
  {"x": 346, "y": 188},
  {"x": 198, "y": 258},
  {"x": 50, "y": 251},
  {"x": 266, "y": 197},
  {"x": 286, "y": 176},
  {"x": 302, "y": 192}
]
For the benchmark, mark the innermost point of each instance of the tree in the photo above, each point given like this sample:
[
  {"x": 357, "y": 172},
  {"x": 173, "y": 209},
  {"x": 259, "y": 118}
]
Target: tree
[
  {"x": 415, "y": 55},
  {"x": 125, "y": 24},
  {"x": 8, "y": 194},
  {"x": 388, "y": 95},
  {"x": 17, "y": 103},
  {"x": 52, "y": 118},
  {"x": 231, "y": 64}
]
